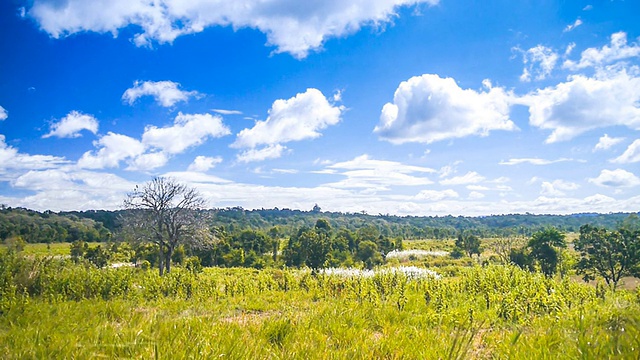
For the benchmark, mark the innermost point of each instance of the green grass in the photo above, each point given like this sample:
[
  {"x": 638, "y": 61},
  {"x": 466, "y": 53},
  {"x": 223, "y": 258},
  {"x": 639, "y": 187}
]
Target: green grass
[
  {"x": 53, "y": 249},
  {"x": 55, "y": 309}
]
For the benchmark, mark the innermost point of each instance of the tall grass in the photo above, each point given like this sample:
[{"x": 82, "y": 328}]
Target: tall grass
[{"x": 52, "y": 308}]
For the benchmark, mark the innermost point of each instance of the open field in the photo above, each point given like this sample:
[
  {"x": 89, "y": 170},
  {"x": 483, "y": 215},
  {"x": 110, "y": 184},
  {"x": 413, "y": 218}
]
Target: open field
[{"x": 55, "y": 309}]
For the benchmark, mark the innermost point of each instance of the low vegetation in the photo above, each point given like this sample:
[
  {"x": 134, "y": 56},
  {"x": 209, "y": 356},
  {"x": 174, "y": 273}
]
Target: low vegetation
[{"x": 197, "y": 289}]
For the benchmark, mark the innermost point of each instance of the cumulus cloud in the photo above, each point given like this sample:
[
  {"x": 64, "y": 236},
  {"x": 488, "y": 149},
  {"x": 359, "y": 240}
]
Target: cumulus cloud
[
  {"x": 298, "y": 118},
  {"x": 631, "y": 155},
  {"x": 71, "y": 125},
  {"x": 166, "y": 93},
  {"x": 618, "y": 178},
  {"x": 187, "y": 130},
  {"x": 539, "y": 62},
  {"x": 203, "y": 164},
  {"x": 292, "y": 26},
  {"x": 4, "y": 114},
  {"x": 157, "y": 144},
  {"x": 606, "y": 142},
  {"x": 609, "y": 98},
  {"x": 148, "y": 161},
  {"x": 429, "y": 108},
  {"x": 273, "y": 151},
  {"x": 113, "y": 148},
  {"x": 571, "y": 27},
  {"x": 617, "y": 50},
  {"x": 532, "y": 161}
]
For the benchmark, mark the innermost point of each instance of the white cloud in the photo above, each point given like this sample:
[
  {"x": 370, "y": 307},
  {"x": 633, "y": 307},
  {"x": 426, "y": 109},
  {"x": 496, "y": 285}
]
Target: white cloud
[
  {"x": 337, "y": 96},
  {"x": 631, "y": 155},
  {"x": 429, "y": 108},
  {"x": 268, "y": 152},
  {"x": 616, "y": 178},
  {"x": 583, "y": 103},
  {"x": 435, "y": 195},
  {"x": 285, "y": 171},
  {"x": 10, "y": 158},
  {"x": 203, "y": 164},
  {"x": 557, "y": 187},
  {"x": 539, "y": 61},
  {"x": 447, "y": 170},
  {"x": 367, "y": 173},
  {"x": 571, "y": 27},
  {"x": 113, "y": 148},
  {"x": 298, "y": 118},
  {"x": 289, "y": 25},
  {"x": 533, "y": 161},
  {"x": 157, "y": 144},
  {"x": 617, "y": 50},
  {"x": 4, "y": 114},
  {"x": 148, "y": 161},
  {"x": 475, "y": 195},
  {"x": 569, "y": 49},
  {"x": 71, "y": 125},
  {"x": 188, "y": 130},
  {"x": 227, "y": 112},
  {"x": 67, "y": 189},
  {"x": 166, "y": 93},
  {"x": 471, "y": 177},
  {"x": 606, "y": 142}
]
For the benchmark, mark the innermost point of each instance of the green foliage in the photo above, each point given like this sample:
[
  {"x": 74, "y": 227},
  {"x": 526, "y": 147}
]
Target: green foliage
[
  {"x": 468, "y": 243},
  {"x": 192, "y": 263},
  {"x": 544, "y": 252},
  {"x": 15, "y": 243},
  {"x": 49, "y": 227},
  {"x": 368, "y": 253},
  {"x": 608, "y": 254}
]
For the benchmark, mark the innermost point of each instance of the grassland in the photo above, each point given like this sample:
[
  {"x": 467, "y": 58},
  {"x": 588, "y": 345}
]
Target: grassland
[{"x": 53, "y": 308}]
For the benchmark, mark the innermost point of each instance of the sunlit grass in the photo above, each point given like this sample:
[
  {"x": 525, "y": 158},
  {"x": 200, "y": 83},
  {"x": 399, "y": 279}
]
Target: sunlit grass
[{"x": 55, "y": 309}]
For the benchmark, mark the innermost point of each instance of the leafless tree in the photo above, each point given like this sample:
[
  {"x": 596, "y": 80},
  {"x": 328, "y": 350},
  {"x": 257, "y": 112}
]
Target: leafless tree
[
  {"x": 166, "y": 213},
  {"x": 503, "y": 246}
]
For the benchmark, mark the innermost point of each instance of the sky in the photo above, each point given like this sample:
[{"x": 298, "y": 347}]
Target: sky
[{"x": 403, "y": 107}]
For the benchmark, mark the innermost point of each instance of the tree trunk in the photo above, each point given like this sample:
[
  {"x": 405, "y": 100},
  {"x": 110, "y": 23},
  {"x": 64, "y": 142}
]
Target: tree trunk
[
  {"x": 160, "y": 258},
  {"x": 168, "y": 260}
]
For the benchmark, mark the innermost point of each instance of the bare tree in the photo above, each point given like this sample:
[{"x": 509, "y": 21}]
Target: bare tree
[{"x": 164, "y": 212}]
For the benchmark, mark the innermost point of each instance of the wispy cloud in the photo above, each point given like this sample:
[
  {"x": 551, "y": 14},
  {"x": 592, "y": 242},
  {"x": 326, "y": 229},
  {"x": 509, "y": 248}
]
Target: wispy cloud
[
  {"x": 533, "y": 161},
  {"x": 571, "y": 27},
  {"x": 227, "y": 112}
]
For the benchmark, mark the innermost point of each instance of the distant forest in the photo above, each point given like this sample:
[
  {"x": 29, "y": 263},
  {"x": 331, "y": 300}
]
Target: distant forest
[{"x": 102, "y": 225}]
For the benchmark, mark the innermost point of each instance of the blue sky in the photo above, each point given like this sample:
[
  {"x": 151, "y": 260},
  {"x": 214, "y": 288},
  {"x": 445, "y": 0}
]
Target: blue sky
[{"x": 407, "y": 107}]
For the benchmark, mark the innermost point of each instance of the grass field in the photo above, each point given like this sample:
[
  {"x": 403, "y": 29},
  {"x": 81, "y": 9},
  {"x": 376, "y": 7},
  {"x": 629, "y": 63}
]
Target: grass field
[{"x": 52, "y": 308}]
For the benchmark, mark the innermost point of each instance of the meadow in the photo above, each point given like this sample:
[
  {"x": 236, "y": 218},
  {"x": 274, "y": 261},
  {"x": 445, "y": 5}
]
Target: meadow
[{"x": 51, "y": 307}]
